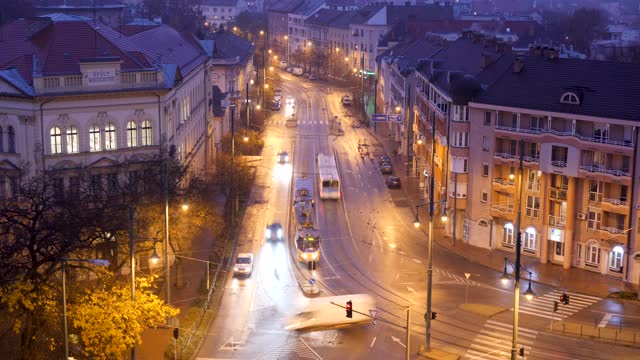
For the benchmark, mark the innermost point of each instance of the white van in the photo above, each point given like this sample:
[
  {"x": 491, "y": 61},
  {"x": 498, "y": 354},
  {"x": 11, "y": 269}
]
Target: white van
[{"x": 297, "y": 71}]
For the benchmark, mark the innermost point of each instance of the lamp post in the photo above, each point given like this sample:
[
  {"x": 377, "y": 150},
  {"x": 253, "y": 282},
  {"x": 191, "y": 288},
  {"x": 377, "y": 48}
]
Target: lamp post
[
  {"x": 529, "y": 294},
  {"x": 428, "y": 316},
  {"x": 234, "y": 97},
  {"x": 286, "y": 38},
  {"x": 249, "y": 82},
  {"x": 97, "y": 262}
]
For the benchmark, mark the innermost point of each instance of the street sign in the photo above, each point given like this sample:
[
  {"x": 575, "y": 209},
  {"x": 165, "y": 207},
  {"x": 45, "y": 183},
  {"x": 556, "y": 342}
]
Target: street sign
[
  {"x": 312, "y": 281},
  {"x": 467, "y": 275},
  {"x": 373, "y": 313},
  {"x": 379, "y": 118},
  {"x": 395, "y": 117}
]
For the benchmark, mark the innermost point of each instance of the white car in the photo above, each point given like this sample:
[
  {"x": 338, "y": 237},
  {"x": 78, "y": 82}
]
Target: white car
[
  {"x": 244, "y": 264},
  {"x": 346, "y": 100},
  {"x": 283, "y": 63},
  {"x": 283, "y": 157}
]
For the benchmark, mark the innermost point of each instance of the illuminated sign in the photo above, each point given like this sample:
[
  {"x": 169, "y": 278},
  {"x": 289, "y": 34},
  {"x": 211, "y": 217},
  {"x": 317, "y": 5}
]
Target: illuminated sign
[{"x": 556, "y": 235}]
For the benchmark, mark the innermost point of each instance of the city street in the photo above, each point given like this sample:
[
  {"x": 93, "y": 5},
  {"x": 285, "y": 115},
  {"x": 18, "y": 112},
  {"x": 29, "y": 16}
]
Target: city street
[{"x": 370, "y": 246}]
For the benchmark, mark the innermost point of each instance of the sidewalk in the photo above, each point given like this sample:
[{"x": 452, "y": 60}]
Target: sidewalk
[
  {"x": 155, "y": 341},
  {"x": 574, "y": 279}
]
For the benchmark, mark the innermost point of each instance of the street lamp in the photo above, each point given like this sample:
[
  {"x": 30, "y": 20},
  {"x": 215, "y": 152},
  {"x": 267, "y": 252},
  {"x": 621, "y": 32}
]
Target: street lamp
[
  {"x": 529, "y": 294},
  {"x": 96, "y": 262}
]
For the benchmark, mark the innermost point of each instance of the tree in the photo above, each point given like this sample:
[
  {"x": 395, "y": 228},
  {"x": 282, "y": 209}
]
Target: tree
[
  {"x": 15, "y": 9},
  {"x": 585, "y": 25},
  {"x": 250, "y": 24},
  {"x": 110, "y": 334},
  {"x": 242, "y": 178},
  {"x": 182, "y": 15}
]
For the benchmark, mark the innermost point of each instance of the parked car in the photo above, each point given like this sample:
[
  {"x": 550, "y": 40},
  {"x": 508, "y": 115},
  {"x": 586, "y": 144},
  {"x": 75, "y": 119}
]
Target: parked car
[
  {"x": 383, "y": 159},
  {"x": 312, "y": 77},
  {"x": 386, "y": 168},
  {"x": 244, "y": 264},
  {"x": 393, "y": 182},
  {"x": 276, "y": 104},
  {"x": 306, "y": 75},
  {"x": 274, "y": 232},
  {"x": 283, "y": 157},
  {"x": 283, "y": 64},
  {"x": 290, "y": 69},
  {"x": 297, "y": 71},
  {"x": 346, "y": 100}
]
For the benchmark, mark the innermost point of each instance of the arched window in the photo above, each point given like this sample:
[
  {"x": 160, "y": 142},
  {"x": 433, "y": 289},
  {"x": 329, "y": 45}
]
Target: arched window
[
  {"x": 132, "y": 134},
  {"x": 56, "y": 140},
  {"x": 72, "y": 139},
  {"x": 110, "y": 137},
  {"x": 1, "y": 139},
  {"x": 507, "y": 235},
  {"x": 530, "y": 238},
  {"x": 615, "y": 259},
  {"x": 570, "y": 98},
  {"x": 592, "y": 254},
  {"x": 94, "y": 138},
  {"x": 11, "y": 136},
  {"x": 146, "y": 133}
]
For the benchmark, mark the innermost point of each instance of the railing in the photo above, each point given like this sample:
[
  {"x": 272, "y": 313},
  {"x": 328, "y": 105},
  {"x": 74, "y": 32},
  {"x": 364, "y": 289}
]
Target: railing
[
  {"x": 558, "y": 193},
  {"x": 532, "y": 213},
  {"x": 559, "y": 163},
  {"x": 599, "y": 169},
  {"x": 559, "y": 221},
  {"x": 126, "y": 80},
  {"x": 437, "y": 161},
  {"x": 504, "y": 181},
  {"x": 505, "y": 208},
  {"x": 533, "y": 186},
  {"x": 615, "y": 201},
  {"x": 612, "y": 230},
  {"x": 595, "y": 139},
  {"x": 506, "y": 155},
  {"x": 530, "y": 159}
]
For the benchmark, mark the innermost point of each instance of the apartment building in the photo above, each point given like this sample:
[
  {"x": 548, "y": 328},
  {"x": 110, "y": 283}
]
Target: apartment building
[
  {"x": 577, "y": 121},
  {"x": 299, "y": 38},
  {"x": 78, "y": 96},
  {"x": 221, "y": 12}
]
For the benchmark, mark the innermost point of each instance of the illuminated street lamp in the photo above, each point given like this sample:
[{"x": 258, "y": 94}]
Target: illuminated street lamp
[
  {"x": 266, "y": 86},
  {"x": 258, "y": 107},
  {"x": 269, "y": 51},
  {"x": 398, "y": 108},
  {"x": 261, "y": 32},
  {"x": 308, "y": 43},
  {"x": 270, "y": 68},
  {"x": 245, "y": 138}
]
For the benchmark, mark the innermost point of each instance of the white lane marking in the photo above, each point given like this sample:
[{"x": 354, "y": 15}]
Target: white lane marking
[
  {"x": 605, "y": 320},
  {"x": 402, "y": 260},
  {"x": 309, "y": 347},
  {"x": 370, "y": 257},
  {"x": 333, "y": 340},
  {"x": 416, "y": 260},
  {"x": 411, "y": 289},
  {"x": 397, "y": 275},
  {"x": 398, "y": 341},
  {"x": 373, "y": 342}
]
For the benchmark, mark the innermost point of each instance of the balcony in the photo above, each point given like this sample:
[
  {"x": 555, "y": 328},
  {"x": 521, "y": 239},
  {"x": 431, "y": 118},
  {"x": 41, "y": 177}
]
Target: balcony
[
  {"x": 559, "y": 163},
  {"x": 530, "y": 159},
  {"x": 600, "y": 169},
  {"x": 587, "y": 138},
  {"x": 612, "y": 230},
  {"x": 502, "y": 184},
  {"x": 617, "y": 206},
  {"x": 558, "y": 221},
  {"x": 73, "y": 83},
  {"x": 558, "y": 193},
  {"x": 506, "y": 156},
  {"x": 503, "y": 208},
  {"x": 503, "y": 181}
]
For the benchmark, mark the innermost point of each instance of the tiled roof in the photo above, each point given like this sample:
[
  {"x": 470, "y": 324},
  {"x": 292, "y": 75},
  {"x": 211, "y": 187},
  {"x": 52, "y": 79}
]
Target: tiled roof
[
  {"x": 227, "y": 45},
  {"x": 308, "y": 7},
  {"x": 363, "y": 15},
  {"x": 55, "y": 48},
  {"x": 397, "y": 13},
  {"x": 607, "y": 89},
  {"x": 324, "y": 17},
  {"x": 408, "y": 54},
  {"x": 78, "y": 4},
  {"x": 57, "y": 17},
  {"x": 284, "y": 6},
  {"x": 218, "y": 2},
  {"x": 13, "y": 77}
]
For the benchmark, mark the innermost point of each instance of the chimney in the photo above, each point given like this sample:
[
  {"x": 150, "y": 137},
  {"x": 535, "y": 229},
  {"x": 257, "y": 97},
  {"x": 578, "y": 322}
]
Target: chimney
[
  {"x": 518, "y": 65},
  {"x": 535, "y": 50},
  {"x": 551, "y": 53},
  {"x": 500, "y": 46}
]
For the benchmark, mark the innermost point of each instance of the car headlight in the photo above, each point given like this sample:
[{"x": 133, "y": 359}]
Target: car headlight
[
  {"x": 314, "y": 256},
  {"x": 279, "y": 233},
  {"x": 267, "y": 233},
  {"x": 235, "y": 268}
]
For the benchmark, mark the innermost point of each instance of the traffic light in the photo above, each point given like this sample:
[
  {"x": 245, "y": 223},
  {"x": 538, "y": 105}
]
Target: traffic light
[
  {"x": 434, "y": 315},
  {"x": 349, "y": 309},
  {"x": 521, "y": 351},
  {"x": 555, "y": 306},
  {"x": 566, "y": 299},
  {"x": 176, "y": 333}
]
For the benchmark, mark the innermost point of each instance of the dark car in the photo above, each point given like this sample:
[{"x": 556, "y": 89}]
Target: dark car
[
  {"x": 274, "y": 232},
  {"x": 383, "y": 159},
  {"x": 386, "y": 168},
  {"x": 393, "y": 182}
]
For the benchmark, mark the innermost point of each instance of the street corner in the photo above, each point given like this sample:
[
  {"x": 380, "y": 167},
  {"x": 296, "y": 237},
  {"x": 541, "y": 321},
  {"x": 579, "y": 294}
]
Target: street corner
[{"x": 482, "y": 309}]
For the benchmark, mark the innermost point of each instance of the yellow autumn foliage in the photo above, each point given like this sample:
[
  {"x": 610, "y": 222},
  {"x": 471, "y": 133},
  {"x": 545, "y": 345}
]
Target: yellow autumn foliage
[{"x": 109, "y": 323}]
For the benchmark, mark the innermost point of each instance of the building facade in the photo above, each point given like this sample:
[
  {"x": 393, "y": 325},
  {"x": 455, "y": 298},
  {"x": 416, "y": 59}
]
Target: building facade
[{"x": 222, "y": 12}]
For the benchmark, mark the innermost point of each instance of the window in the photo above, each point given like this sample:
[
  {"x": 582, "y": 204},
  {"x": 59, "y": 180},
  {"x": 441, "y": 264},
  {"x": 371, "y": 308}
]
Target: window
[
  {"x": 530, "y": 236},
  {"x": 460, "y": 164},
  {"x": 110, "y": 137},
  {"x": 94, "y": 138},
  {"x": 1, "y": 139},
  {"x": 58, "y": 188},
  {"x": 595, "y": 190},
  {"x": 466, "y": 229},
  {"x": 570, "y": 98},
  {"x": 536, "y": 123},
  {"x": 507, "y": 235},
  {"x": 132, "y": 134},
  {"x": 485, "y": 143},
  {"x": 615, "y": 259},
  {"x": 460, "y": 113},
  {"x": 485, "y": 196},
  {"x": 579, "y": 254},
  {"x": 487, "y": 118},
  {"x": 96, "y": 184},
  {"x": 460, "y": 139},
  {"x": 533, "y": 206},
  {"x": 559, "y": 156},
  {"x": 56, "y": 140},
  {"x": 592, "y": 255},
  {"x": 72, "y": 139},
  {"x": 74, "y": 187},
  {"x": 11, "y": 136},
  {"x": 146, "y": 133},
  {"x": 594, "y": 217},
  {"x": 112, "y": 182},
  {"x": 485, "y": 169},
  {"x": 533, "y": 181}
]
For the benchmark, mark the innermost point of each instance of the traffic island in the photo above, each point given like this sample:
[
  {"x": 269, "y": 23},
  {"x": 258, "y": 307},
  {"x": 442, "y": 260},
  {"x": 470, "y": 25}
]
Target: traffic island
[
  {"x": 437, "y": 354},
  {"x": 626, "y": 337},
  {"x": 482, "y": 309}
]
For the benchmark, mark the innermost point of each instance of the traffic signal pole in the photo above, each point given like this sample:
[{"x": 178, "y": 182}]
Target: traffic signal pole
[{"x": 408, "y": 352}]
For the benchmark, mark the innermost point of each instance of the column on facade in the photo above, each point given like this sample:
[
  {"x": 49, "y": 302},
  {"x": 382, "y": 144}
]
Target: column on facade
[
  {"x": 571, "y": 214},
  {"x": 544, "y": 211}
]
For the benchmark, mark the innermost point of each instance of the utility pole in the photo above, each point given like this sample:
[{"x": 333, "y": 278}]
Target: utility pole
[
  {"x": 132, "y": 260},
  {"x": 432, "y": 209},
  {"x": 516, "y": 275},
  {"x": 408, "y": 351}
]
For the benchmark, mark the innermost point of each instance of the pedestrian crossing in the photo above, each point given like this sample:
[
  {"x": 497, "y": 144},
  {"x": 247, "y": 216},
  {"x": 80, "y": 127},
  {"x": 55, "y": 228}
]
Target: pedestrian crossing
[
  {"x": 292, "y": 349},
  {"x": 261, "y": 299},
  {"x": 282, "y": 122},
  {"x": 543, "y": 306},
  {"x": 494, "y": 341},
  {"x": 449, "y": 277}
]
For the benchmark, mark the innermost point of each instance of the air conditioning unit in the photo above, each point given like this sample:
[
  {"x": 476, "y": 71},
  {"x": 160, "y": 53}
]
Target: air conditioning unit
[{"x": 581, "y": 216}]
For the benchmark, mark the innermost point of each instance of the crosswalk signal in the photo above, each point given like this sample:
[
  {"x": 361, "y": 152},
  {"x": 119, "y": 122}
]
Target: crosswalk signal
[
  {"x": 521, "y": 351},
  {"x": 176, "y": 333},
  {"x": 434, "y": 315},
  {"x": 555, "y": 306},
  {"x": 349, "y": 309}
]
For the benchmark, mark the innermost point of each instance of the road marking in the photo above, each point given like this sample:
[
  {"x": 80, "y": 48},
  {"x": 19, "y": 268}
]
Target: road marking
[
  {"x": 307, "y": 345},
  {"x": 605, "y": 320},
  {"x": 416, "y": 260},
  {"x": 411, "y": 289},
  {"x": 370, "y": 257},
  {"x": 402, "y": 260},
  {"x": 333, "y": 340},
  {"x": 398, "y": 341},
  {"x": 397, "y": 275},
  {"x": 374, "y": 341}
]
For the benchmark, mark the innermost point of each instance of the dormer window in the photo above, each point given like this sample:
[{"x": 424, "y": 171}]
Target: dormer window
[{"x": 570, "y": 98}]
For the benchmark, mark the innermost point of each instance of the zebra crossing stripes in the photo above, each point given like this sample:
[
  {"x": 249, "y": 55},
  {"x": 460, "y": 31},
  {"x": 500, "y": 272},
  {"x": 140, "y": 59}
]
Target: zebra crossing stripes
[
  {"x": 292, "y": 349},
  {"x": 454, "y": 278},
  {"x": 494, "y": 341},
  {"x": 261, "y": 300},
  {"x": 542, "y": 306},
  {"x": 300, "y": 122}
]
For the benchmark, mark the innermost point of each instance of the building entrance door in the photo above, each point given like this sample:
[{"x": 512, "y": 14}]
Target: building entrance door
[{"x": 558, "y": 251}]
